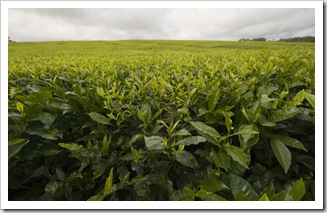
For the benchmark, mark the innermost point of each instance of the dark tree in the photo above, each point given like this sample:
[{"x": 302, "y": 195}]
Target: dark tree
[
  {"x": 299, "y": 39},
  {"x": 259, "y": 39}
]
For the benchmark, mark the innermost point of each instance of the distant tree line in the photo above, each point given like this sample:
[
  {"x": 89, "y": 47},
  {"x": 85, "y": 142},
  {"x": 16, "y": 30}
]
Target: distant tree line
[
  {"x": 299, "y": 39},
  {"x": 295, "y": 39},
  {"x": 254, "y": 39}
]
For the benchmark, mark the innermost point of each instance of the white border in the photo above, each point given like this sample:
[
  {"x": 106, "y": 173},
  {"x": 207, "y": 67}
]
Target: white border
[
  {"x": 317, "y": 204},
  {"x": 162, "y": 4},
  {"x": 4, "y": 106}
]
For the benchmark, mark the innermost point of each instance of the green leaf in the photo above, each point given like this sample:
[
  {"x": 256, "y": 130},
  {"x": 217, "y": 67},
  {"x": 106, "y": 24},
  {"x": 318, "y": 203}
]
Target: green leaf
[
  {"x": 206, "y": 131},
  {"x": 97, "y": 197},
  {"x": 20, "y": 107},
  {"x": 220, "y": 159},
  {"x": 70, "y": 146},
  {"x": 15, "y": 145},
  {"x": 52, "y": 187},
  {"x": 202, "y": 111},
  {"x": 187, "y": 159},
  {"x": 101, "y": 92},
  {"x": 213, "y": 99},
  {"x": 185, "y": 194},
  {"x": 269, "y": 190},
  {"x": 193, "y": 140},
  {"x": 208, "y": 196},
  {"x": 99, "y": 170},
  {"x": 228, "y": 121},
  {"x": 48, "y": 149},
  {"x": 214, "y": 197},
  {"x": 282, "y": 154},
  {"x": 108, "y": 184},
  {"x": 263, "y": 121},
  {"x": 289, "y": 141},
  {"x": 60, "y": 174},
  {"x": 298, "y": 190},
  {"x": 285, "y": 195},
  {"x": 255, "y": 108},
  {"x": 213, "y": 185},
  {"x": 99, "y": 118},
  {"x": 311, "y": 99},
  {"x": 283, "y": 114},
  {"x": 245, "y": 114},
  {"x": 105, "y": 145},
  {"x": 146, "y": 108},
  {"x": 58, "y": 105},
  {"x": 299, "y": 97},
  {"x": 183, "y": 110},
  {"x": 135, "y": 138},
  {"x": 237, "y": 155},
  {"x": 172, "y": 128},
  {"x": 154, "y": 142},
  {"x": 88, "y": 124},
  {"x": 241, "y": 189},
  {"x": 46, "y": 118},
  {"x": 248, "y": 135},
  {"x": 50, "y": 135},
  {"x": 157, "y": 114},
  {"x": 137, "y": 155},
  {"x": 264, "y": 197},
  {"x": 182, "y": 132},
  {"x": 202, "y": 194}
]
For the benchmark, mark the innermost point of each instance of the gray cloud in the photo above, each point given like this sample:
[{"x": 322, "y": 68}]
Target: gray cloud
[{"x": 116, "y": 24}]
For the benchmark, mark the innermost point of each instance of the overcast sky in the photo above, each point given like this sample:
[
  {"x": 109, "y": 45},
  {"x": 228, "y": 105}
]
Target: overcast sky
[{"x": 178, "y": 24}]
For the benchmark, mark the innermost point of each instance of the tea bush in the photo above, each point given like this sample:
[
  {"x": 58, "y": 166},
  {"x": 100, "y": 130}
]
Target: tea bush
[{"x": 161, "y": 120}]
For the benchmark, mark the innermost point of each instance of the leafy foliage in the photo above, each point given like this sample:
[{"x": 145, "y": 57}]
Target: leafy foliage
[{"x": 161, "y": 120}]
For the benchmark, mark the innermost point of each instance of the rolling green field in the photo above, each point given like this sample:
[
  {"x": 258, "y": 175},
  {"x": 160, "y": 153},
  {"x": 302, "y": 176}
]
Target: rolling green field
[{"x": 161, "y": 120}]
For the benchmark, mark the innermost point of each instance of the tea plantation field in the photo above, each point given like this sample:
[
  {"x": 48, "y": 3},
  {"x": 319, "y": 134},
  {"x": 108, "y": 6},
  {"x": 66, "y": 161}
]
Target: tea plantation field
[{"x": 161, "y": 120}]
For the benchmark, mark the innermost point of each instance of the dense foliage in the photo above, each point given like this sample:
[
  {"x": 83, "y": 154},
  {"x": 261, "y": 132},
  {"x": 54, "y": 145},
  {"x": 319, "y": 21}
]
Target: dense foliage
[{"x": 161, "y": 120}]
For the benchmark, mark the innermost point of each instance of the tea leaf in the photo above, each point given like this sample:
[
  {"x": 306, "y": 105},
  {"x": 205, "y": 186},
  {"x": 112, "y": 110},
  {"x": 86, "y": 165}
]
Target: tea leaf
[
  {"x": 213, "y": 185},
  {"x": 193, "y": 140},
  {"x": 20, "y": 107},
  {"x": 99, "y": 118},
  {"x": 206, "y": 131},
  {"x": 108, "y": 184},
  {"x": 70, "y": 146},
  {"x": 237, "y": 155},
  {"x": 248, "y": 135},
  {"x": 187, "y": 159},
  {"x": 284, "y": 114},
  {"x": 241, "y": 189},
  {"x": 52, "y": 187},
  {"x": 137, "y": 155},
  {"x": 213, "y": 99},
  {"x": 185, "y": 194},
  {"x": 289, "y": 141},
  {"x": 182, "y": 132},
  {"x": 264, "y": 197},
  {"x": 269, "y": 190},
  {"x": 298, "y": 190},
  {"x": 15, "y": 145},
  {"x": 221, "y": 159},
  {"x": 105, "y": 145},
  {"x": 311, "y": 99},
  {"x": 154, "y": 142},
  {"x": 282, "y": 154},
  {"x": 285, "y": 195}
]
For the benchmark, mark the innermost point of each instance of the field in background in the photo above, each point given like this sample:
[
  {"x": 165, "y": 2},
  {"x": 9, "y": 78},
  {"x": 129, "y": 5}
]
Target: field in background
[
  {"x": 102, "y": 47},
  {"x": 161, "y": 120}
]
